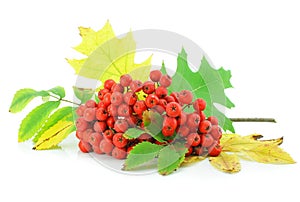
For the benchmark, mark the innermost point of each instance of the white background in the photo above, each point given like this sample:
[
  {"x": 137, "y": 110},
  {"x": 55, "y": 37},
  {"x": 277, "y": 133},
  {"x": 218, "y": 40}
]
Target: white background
[{"x": 257, "y": 40}]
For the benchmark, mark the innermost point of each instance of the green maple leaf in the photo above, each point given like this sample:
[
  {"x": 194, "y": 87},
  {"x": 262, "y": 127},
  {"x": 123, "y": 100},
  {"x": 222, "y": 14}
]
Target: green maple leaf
[
  {"x": 207, "y": 83},
  {"x": 109, "y": 57}
]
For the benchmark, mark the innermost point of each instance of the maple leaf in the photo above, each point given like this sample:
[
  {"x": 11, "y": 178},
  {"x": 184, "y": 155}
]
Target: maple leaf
[
  {"x": 207, "y": 83},
  {"x": 109, "y": 57}
]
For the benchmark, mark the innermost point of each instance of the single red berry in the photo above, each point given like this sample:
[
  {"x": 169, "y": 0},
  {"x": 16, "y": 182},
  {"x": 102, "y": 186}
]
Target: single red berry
[
  {"x": 163, "y": 103},
  {"x": 119, "y": 140},
  {"x": 85, "y": 147},
  {"x": 148, "y": 87},
  {"x": 100, "y": 126},
  {"x": 169, "y": 126},
  {"x": 107, "y": 99},
  {"x": 215, "y": 132},
  {"x": 109, "y": 83},
  {"x": 108, "y": 134},
  {"x": 101, "y": 114},
  {"x": 116, "y": 98},
  {"x": 215, "y": 150},
  {"x": 121, "y": 126},
  {"x": 193, "y": 120},
  {"x": 165, "y": 80},
  {"x": 101, "y": 105},
  {"x": 170, "y": 98},
  {"x": 139, "y": 107},
  {"x": 189, "y": 151},
  {"x": 89, "y": 114},
  {"x": 159, "y": 109},
  {"x": 204, "y": 126},
  {"x": 136, "y": 86},
  {"x": 202, "y": 116},
  {"x": 213, "y": 120},
  {"x": 199, "y": 104},
  {"x": 132, "y": 120},
  {"x": 90, "y": 104},
  {"x": 119, "y": 153},
  {"x": 79, "y": 135},
  {"x": 144, "y": 137},
  {"x": 125, "y": 80},
  {"x": 80, "y": 110},
  {"x": 193, "y": 139},
  {"x": 112, "y": 110},
  {"x": 110, "y": 122},
  {"x": 95, "y": 139},
  {"x": 97, "y": 150},
  {"x": 161, "y": 92},
  {"x": 102, "y": 92},
  {"x": 173, "y": 109},
  {"x": 130, "y": 98},
  {"x": 106, "y": 146},
  {"x": 81, "y": 124},
  {"x": 185, "y": 97},
  {"x": 181, "y": 120},
  {"x": 117, "y": 88},
  {"x": 86, "y": 134},
  {"x": 206, "y": 140},
  {"x": 175, "y": 95},
  {"x": 151, "y": 100},
  {"x": 124, "y": 110},
  {"x": 183, "y": 131},
  {"x": 155, "y": 75}
]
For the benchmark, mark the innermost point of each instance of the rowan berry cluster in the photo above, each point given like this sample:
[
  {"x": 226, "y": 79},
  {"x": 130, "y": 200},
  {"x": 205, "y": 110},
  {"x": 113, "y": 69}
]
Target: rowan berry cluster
[{"x": 101, "y": 126}]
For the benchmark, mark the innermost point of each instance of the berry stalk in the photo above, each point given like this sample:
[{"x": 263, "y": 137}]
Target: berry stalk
[{"x": 272, "y": 120}]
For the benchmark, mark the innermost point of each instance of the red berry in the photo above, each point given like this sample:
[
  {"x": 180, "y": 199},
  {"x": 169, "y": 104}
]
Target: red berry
[
  {"x": 136, "y": 86},
  {"x": 95, "y": 139},
  {"x": 193, "y": 139},
  {"x": 202, "y": 115},
  {"x": 139, "y": 107},
  {"x": 86, "y": 135},
  {"x": 159, "y": 109},
  {"x": 125, "y": 80},
  {"x": 193, "y": 121},
  {"x": 181, "y": 120},
  {"x": 100, "y": 126},
  {"x": 204, "y": 126},
  {"x": 85, "y": 147},
  {"x": 121, "y": 126},
  {"x": 189, "y": 151},
  {"x": 144, "y": 137},
  {"x": 117, "y": 88},
  {"x": 124, "y": 110},
  {"x": 215, "y": 150},
  {"x": 130, "y": 98},
  {"x": 215, "y": 132},
  {"x": 79, "y": 135},
  {"x": 101, "y": 114},
  {"x": 119, "y": 153},
  {"x": 112, "y": 110},
  {"x": 132, "y": 120},
  {"x": 107, "y": 99},
  {"x": 173, "y": 109},
  {"x": 185, "y": 97},
  {"x": 110, "y": 122},
  {"x": 148, "y": 87},
  {"x": 169, "y": 126},
  {"x": 165, "y": 80},
  {"x": 108, "y": 134},
  {"x": 183, "y": 131},
  {"x": 170, "y": 98},
  {"x": 116, "y": 98},
  {"x": 80, "y": 110},
  {"x": 106, "y": 146},
  {"x": 129, "y": 149},
  {"x": 155, "y": 75},
  {"x": 90, "y": 104},
  {"x": 199, "y": 151},
  {"x": 151, "y": 100},
  {"x": 161, "y": 92},
  {"x": 119, "y": 140},
  {"x": 175, "y": 95},
  {"x": 206, "y": 140},
  {"x": 101, "y": 104},
  {"x": 199, "y": 104},
  {"x": 213, "y": 120},
  {"x": 89, "y": 114},
  {"x": 109, "y": 83},
  {"x": 102, "y": 92},
  {"x": 81, "y": 124},
  {"x": 97, "y": 150},
  {"x": 163, "y": 103}
]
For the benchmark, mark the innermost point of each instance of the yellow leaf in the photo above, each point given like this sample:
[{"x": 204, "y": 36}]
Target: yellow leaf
[
  {"x": 228, "y": 163},
  {"x": 249, "y": 148},
  {"x": 191, "y": 160},
  {"x": 54, "y": 135},
  {"x": 108, "y": 56}
]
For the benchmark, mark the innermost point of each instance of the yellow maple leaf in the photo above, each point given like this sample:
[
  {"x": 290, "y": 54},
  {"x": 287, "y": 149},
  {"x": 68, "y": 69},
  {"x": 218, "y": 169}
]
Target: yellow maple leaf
[
  {"x": 228, "y": 163},
  {"x": 108, "y": 56}
]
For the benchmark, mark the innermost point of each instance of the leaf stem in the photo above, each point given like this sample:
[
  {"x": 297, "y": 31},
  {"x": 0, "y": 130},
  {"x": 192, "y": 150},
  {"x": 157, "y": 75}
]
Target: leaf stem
[
  {"x": 64, "y": 100},
  {"x": 253, "y": 120}
]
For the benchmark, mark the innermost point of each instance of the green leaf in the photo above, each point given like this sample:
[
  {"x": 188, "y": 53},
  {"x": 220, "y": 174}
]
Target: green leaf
[
  {"x": 58, "y": 90},
  {"x": 108, "y": 56},
  {"x": 23, "y": 97},
  {"x": 133, "y": 133},
  {"x": 83, "y": 94},
  {"x": 62, "y": 114},
  {"x": 207, "y": 83},
  {"x": 170, "y": 158},
  {"x": 35, "y": 119},
  {"x": 55, "y": 134},
  {"x": 140, "y": 154}
]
